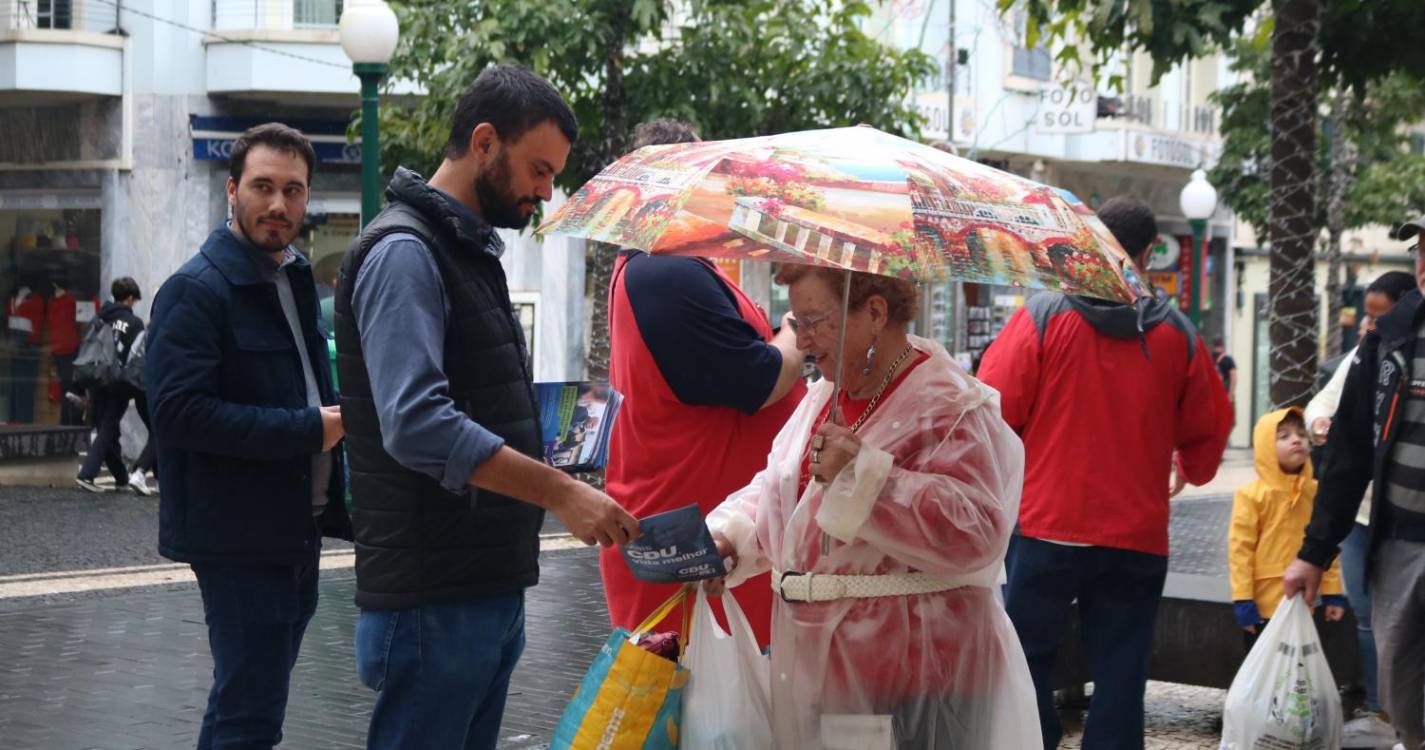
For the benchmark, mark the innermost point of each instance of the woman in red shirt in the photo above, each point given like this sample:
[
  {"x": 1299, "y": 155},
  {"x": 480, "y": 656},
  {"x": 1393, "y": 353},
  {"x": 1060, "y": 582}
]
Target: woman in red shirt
[{"x": 884, "y": 523}]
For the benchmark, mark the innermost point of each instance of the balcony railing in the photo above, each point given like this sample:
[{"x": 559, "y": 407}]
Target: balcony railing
[
  {"x": 97, "y": 16},
  {"x": 277, "y": 15}
]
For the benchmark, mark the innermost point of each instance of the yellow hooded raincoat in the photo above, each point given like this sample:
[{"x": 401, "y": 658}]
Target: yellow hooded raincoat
[{"x": 1269, "y": 518}]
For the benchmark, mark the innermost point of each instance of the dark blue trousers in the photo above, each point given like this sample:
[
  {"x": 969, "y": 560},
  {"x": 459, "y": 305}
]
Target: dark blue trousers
[
  {"x": 256, "y": 616},
  {"x": 1118, "y": 593}
]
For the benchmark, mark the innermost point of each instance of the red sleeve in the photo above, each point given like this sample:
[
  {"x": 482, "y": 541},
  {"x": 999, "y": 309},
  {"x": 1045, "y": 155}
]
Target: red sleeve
[
  {"x": 1204, "y": 419},
  {"x": 1011, "y": 366}
]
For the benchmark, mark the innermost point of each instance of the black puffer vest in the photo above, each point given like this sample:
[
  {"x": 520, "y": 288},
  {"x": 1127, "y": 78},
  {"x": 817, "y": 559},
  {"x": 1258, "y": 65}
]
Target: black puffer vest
[{"x": 417, "y": 543}]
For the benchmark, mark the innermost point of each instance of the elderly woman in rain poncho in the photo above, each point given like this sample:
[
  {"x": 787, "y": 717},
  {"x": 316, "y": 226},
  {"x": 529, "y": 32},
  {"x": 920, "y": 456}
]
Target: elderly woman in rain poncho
[{"x": 884, "y": 523}]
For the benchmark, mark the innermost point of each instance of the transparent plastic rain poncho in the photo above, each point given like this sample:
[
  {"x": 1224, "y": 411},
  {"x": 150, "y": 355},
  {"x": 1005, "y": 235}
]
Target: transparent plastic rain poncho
[{"x": 935, "y": 488}]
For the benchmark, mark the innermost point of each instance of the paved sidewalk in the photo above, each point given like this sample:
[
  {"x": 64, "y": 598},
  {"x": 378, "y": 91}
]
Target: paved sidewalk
[
  {"x": 1236, "y": 471},
  {"x": 130, "y": 669}
]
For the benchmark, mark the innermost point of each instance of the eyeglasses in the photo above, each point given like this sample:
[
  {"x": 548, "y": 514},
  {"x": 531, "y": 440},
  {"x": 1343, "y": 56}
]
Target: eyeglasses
[{"x": 809, "y": 325}]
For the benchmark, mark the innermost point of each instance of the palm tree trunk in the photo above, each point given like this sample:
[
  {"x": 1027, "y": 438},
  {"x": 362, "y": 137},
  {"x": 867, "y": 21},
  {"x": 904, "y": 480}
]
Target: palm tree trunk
[
  {"x": 1292, "y": 202},
  {"x": 599, "y": 266},
  {"x": 1343, "y": 166}
]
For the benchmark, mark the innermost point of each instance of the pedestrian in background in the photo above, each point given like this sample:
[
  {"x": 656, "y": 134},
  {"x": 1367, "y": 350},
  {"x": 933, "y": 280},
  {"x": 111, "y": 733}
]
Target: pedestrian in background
[
  {"x": 1112, "y": 396},
  {"x": 1377, "y": 439},
  {"x": 1226, "y": 366},
  {"x": 109, "y": 402},
  {"x": 448, "y": 492},
  {"x": 245, "y": 417},
  {"x": 1370, "y": 724},
  {"x": 706, "y": 383}
]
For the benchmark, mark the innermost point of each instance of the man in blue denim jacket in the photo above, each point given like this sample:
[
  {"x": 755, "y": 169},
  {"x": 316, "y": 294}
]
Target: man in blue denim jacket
[{"x": 245, "y": 419}]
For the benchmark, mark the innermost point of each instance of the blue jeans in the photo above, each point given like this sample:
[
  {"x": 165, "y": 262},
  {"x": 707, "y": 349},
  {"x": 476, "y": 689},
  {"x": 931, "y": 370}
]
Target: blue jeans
[
  {"x": 441, "y": 672},
  {"x": 256, "y": 616},
  {"x": 1353, "y": 574},
  {"x": 1118, "y": 593}
]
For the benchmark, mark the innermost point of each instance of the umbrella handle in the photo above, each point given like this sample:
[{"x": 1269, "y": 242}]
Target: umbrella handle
[{"x": 835, "y": 413}]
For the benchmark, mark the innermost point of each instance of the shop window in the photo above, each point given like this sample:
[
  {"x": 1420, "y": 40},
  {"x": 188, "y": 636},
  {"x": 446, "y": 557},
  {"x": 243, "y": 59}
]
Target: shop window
[
  {"x": 526, "y": 306},
  {"x": 307, "y": 14},
  {"x": 49, "y": 260},
  {"x": 48, "y": 14},
  {"x": 1035, "y": 64}
]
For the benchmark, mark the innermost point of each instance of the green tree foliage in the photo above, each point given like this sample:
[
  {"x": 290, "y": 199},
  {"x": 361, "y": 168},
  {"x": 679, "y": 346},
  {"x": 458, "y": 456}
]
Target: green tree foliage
[
  {"x": 1380, "y": 193},
  {"x": 735, "y": 68},
  {"x": 1361, "y": 40}
]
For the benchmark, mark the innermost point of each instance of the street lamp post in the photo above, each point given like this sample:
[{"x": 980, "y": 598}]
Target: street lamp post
[
  {"x": 369, "y": 32},
  {"x": 1198, "y": 201}
]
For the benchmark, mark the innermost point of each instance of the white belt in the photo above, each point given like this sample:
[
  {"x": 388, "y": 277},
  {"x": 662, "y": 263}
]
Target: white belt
[
  {"x": 795, "y": 586},
  {"x": 21, "y": 325}
]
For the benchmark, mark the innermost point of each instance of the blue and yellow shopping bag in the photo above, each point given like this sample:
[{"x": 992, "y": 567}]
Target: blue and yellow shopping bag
[{"x": 630, "y": 699}]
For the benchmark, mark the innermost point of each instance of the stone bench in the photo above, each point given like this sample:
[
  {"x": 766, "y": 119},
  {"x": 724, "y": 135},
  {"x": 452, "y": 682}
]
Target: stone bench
[{"x": 1196, "y": 640}]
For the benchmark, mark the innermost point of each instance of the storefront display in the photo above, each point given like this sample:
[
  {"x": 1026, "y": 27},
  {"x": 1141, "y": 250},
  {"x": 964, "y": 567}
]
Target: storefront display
[{"x": 50, "y": 264}]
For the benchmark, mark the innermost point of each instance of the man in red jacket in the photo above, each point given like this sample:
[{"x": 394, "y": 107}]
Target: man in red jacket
[{"x": 1107, "y": 398}]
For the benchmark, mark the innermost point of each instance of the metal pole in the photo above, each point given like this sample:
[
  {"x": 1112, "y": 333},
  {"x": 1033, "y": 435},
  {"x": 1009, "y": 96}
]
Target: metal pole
[
  {"x": 950, "y": 78},
  {"x": 370, "y": 75},
  {"x": 957, "y": 288},
  {"x": 1199, "y": 231},
  {"x": 834, "y": 415}
]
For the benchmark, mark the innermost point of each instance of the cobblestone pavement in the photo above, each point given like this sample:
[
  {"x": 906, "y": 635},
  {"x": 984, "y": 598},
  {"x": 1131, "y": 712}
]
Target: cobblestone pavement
[{"x": 125, "y": 669}]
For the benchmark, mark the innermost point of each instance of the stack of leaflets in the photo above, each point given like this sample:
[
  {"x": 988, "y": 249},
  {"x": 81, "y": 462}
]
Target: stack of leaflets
[
  {"x": 674, "y": 547},
  {"x": 576, "y": 420}
]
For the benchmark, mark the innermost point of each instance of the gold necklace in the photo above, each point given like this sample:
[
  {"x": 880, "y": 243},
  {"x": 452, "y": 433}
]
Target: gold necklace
[{"x": 885, "y": 382}]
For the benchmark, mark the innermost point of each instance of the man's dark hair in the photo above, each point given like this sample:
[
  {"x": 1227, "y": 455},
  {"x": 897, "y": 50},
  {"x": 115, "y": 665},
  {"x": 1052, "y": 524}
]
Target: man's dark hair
[
  {"x": 276, "y": 136},
  {"x": 1393, "y": 284},
  {"x": 664, "y": 131},
  {"x": 513, "y": 99},
  {"x": 123, "y": 288},
  {"x": 1132, "y": 223},
  {"x": 1217, "y": 342}
]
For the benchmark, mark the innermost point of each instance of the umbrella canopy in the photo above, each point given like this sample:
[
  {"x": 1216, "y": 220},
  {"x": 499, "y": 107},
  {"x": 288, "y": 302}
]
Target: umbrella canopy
[{"x": 855, "y": 199}]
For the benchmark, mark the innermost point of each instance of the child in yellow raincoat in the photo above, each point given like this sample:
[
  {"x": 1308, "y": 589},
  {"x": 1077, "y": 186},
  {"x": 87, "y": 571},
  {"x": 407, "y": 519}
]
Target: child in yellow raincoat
[{"x": 1269, "y": 517}]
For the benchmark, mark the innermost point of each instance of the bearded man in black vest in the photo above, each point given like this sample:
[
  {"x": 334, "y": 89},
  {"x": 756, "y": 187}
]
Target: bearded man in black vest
[{"x": 442, "y": 424}]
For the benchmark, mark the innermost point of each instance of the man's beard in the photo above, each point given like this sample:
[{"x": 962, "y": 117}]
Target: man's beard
[
  {"x": 502, "y": 208},
  {"x": 260, "y": 236}
]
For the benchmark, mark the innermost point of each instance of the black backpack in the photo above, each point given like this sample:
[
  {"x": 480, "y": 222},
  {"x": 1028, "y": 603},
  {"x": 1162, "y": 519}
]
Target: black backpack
[
  {"x": 97, "y": 365},
  {"x": 131, "y": 374}
]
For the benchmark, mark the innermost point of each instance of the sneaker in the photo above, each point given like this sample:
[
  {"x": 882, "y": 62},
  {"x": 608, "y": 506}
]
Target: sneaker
[
  {"x": 1367, "y": 729},
  {"x": 89, "y": 484},
  {"x": 139, "y": 484}
]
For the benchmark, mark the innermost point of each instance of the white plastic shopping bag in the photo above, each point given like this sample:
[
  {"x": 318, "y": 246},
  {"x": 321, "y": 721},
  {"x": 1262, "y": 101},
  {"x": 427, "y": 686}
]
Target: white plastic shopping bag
[
  {"x": 727, "y": 704},
  {"x": 1283, "y": 697}
]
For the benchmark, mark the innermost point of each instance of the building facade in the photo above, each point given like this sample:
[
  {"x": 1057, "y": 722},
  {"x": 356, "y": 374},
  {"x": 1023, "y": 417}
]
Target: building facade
[
  {"x": 1013, "y": 110},
  {"x": 119, "y": 119}
]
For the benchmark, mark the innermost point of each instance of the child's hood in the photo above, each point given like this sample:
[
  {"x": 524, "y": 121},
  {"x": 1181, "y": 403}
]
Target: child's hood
[{"x": 1264, "y": 447}]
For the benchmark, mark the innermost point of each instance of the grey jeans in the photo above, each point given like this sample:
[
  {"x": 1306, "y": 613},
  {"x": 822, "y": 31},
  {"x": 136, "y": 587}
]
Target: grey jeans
[{"x": 1398, "y": 617}]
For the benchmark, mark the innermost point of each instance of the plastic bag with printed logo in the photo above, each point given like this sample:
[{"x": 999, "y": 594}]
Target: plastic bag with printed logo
[{"x": 1284, "y": 697}]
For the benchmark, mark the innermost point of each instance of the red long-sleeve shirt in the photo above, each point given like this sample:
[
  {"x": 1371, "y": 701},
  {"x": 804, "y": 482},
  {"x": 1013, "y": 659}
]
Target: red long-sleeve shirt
[{"x": 1101, "y": 411}]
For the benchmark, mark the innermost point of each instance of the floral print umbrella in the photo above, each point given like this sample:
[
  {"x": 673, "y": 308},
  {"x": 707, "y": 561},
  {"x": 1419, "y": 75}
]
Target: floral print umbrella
[{"x": 855, "y": 199}]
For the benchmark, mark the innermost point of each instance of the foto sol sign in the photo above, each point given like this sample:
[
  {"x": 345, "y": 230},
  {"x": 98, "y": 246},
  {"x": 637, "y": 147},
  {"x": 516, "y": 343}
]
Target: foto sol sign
[{"x": 1067, "y": 109}]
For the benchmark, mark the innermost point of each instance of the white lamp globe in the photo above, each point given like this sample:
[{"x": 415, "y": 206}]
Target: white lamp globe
[
  {"x": 369, "y": 31},
  {"x": 1198, "y": 198}
]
